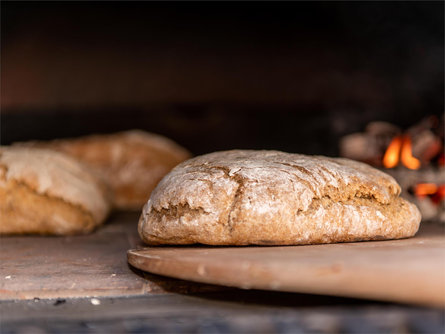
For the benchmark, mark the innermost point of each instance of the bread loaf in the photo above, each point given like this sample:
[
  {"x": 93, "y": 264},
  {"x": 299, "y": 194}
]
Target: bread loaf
[
  {"x": 131, "y": 162},
  {"x": 47, "y": 192},
  {"x": 243, "y": 197}
]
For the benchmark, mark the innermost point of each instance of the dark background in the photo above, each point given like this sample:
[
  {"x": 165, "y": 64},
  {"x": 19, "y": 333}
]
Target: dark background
[{"x": 294, "y": 76}]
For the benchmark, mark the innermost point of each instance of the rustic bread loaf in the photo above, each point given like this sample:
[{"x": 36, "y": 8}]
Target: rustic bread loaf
[
  {"x": 131, "y": 162},
  {"x": 274, "y": 198},
  {"x": 47, "y": 192}
]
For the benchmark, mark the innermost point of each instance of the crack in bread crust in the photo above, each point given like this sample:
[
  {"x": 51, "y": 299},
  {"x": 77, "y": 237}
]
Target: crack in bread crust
[
  {"x": 81, "y": 220},
  {"x": 42, "y": 194},
  {"x": 179, "y": 210},
  {"x": 238, "y": 192}
]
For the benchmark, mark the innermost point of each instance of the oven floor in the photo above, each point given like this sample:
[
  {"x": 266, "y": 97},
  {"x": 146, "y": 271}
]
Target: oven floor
[
  {"x": 217, "y": 312},
  {"x": 84, "y": 284}
]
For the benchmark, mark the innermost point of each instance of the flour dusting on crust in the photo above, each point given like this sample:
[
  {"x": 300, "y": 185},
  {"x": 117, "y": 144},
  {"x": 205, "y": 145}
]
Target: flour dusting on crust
[{"x": 269, "y": 197}]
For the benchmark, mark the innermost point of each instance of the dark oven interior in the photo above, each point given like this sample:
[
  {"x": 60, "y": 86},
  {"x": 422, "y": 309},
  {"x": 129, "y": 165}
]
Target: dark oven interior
[{"x": 289, "y": 76}]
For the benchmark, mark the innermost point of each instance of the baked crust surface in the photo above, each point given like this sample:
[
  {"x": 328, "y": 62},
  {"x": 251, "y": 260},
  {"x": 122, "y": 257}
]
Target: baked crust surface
[
  {"x": 46, "y": 192},
  {"x": 131, "y": 162},
  {"x": 243, "y": 197}
]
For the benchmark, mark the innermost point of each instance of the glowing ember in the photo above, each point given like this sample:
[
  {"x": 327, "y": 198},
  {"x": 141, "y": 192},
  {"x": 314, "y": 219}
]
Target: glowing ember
[
  {"x": 439, "y": 195},
  {"x": 441, "y": 160},
  {"x": 425, "y": 189},
  {"x": 400, "y": 148},
  {"x": 433, "y": 191},
  {"x": 391, "y": 157}
]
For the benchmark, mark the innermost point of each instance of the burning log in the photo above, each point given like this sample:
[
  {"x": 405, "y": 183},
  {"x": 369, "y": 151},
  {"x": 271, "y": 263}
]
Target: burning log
[
  {"x": 424, "y": 187},
  {"x": 415, "y": 158},
  {"x": 383, "y": 144},
  {"x": 370, "y": 145},
  {"x": 426, "y": 146}
]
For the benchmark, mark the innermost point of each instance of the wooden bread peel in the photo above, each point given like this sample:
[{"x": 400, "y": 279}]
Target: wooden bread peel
[{"x": 409, "y": 270}]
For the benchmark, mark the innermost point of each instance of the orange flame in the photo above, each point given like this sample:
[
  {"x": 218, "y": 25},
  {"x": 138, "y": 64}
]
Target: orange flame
[
  {"x": 391, "y": 157},
  {"x": 401, "y": 147},
  {"x": 425, "y": 189},
  {"x": 407, "y": 156}
]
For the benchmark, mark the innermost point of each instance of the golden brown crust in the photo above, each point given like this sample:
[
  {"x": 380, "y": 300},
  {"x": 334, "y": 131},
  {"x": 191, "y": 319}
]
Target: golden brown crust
[
  {"x": 131, "y": 162},
  {"x": 46, "y": 192},
  {"x": 275, "y": 198}
]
